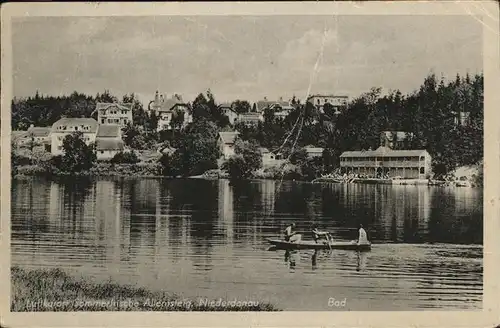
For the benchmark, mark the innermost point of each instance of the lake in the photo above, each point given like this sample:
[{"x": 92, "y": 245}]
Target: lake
[{"x": 201, "y": 238}]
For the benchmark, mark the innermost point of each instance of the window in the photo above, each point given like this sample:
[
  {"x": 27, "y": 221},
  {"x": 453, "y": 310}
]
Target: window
[
  {"x": 59, "y": 148},
  {"x": 422, "y": 158},
  {"x": 102, "y": 151},
  {"x": 102, "y": 121},
  {"x": 76, "y": 128},
  {"x": 319, "y": 101},
  {"x": 124, "y": 112},
  {"x": 422, "y": 170}
]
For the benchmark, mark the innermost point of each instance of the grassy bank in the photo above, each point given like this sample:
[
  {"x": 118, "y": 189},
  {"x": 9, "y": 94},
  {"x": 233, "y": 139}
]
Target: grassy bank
[{"x": 54, "y": 290}]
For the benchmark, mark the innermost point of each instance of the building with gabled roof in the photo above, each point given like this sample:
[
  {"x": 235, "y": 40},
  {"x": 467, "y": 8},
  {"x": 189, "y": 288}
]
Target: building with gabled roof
[
  {"x": 165, "y": 108},
  {"x": 414, "y": 164},
  {"x": 227, "y": 141},
  {"x": 114, "y": 113}
]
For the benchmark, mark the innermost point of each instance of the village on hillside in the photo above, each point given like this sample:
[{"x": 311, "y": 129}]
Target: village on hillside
[{"x": 268, "y": 139}]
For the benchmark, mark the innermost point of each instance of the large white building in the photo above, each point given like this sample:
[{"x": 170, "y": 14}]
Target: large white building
[
  {"x": 319, "y": 100},
  {"x": 66, "y": 126}
]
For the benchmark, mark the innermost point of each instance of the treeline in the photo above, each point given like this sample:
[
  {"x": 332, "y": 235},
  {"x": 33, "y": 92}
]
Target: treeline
[
  {"x": 42, "y": 110},
  {"x": 430, "y": 113}
]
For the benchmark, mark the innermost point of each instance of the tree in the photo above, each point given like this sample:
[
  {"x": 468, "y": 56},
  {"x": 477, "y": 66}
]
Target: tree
[
  {"x": 198, "y": 150},
  {"x": 177, "y": 119},
  {"x": 246, "y": 161},
  {"x": 241, "y": 106},
  {"x": 78, "y": 156},
  {"x": 125, "y": 158}
]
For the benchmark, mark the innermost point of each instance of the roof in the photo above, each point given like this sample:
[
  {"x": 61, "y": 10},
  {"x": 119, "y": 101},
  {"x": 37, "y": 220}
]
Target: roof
[
  {"x": 326, "y": 95},
  {"x": 264, "y": 150},
  {"x": 109, "y": 144},
  {"x": 19, "y": 134},
  {"x": 110, "y": 131},
  {"x": 384, "y": 152},
  {"x": 39, "y": 131},
  {"x": 400, "y": 135},
  {"x": 77, "y": 121},
  {"x": 121, "y": 106},
  {"x": 311, "y": 149},
  {"x": 263, "y": 104},
  {"x": 228, "y": 137},
  {"x": 168, "y": 104}
]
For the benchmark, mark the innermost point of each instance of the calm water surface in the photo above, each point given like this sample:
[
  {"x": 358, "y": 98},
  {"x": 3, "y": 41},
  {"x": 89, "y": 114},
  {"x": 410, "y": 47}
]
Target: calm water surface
[{"x": 202, "y": 238}]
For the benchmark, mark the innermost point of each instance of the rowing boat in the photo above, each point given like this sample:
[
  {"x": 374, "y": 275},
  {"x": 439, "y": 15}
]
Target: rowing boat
[{"x": 346, "y": 245}]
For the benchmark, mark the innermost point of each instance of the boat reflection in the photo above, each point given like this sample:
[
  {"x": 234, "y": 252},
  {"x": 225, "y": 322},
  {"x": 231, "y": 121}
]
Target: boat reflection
[{"x": 361, "y": 257}]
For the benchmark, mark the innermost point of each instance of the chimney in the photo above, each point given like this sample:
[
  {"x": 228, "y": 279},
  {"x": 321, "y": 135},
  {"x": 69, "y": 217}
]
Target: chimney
[
  {"x": 265, "y": 98},
  {"x": 281, "y": 98},
  {"x": 156, "y": 97}
]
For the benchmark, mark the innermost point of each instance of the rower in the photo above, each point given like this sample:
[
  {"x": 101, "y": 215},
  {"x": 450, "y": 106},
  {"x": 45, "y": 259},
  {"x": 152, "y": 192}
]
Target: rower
[
  {"x": 362, "y": 238},
  {"x": 317, "y": 235},
  {"x": 289, "y": 231}
]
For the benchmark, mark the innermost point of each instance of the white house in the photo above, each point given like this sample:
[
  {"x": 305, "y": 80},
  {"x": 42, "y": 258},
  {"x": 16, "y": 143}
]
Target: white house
[
  {"x": 39, "y": 137},
  {"x": 108, "y": 141},
  {"x": 319, "y": 100},
  {"x": 114, "y": 113},
  {"x": 226, "y": 143},
  {"x": 313, "y": 151},
  {"x": 66, "y": 126}
]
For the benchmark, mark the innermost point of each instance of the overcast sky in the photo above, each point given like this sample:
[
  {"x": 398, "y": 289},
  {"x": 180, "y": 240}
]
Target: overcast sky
[{"x": 240, "y": 57}]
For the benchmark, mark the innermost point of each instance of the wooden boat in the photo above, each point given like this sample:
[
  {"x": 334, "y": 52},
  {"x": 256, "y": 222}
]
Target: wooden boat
[{"x": 345, "y": 245}]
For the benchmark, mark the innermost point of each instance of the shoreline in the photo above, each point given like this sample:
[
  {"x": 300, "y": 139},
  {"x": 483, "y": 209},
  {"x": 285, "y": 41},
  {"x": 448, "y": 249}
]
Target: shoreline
[{"x": 53, "y": 290}]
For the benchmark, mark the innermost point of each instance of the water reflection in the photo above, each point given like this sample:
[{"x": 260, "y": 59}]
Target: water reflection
[{"x": 201, "y": 236}]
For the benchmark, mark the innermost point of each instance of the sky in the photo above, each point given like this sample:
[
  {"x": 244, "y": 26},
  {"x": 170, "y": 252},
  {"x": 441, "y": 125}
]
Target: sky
[{"x": 240, "y": 57}]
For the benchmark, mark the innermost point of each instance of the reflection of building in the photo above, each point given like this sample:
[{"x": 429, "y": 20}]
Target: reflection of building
[
  {"x": 226, "y": 211},
  {"x": 415, "y": 164}
]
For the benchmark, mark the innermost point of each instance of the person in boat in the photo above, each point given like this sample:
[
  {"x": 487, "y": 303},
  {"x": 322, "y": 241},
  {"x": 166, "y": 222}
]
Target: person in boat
[
  {"x": 362, "y": 237},
  {"x": 290, "y": 234},
  {"x": 320, "y": 235}
]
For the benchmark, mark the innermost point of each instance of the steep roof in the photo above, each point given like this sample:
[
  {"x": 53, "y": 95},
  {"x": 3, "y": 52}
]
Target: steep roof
[
  {"x": 263, "y": 104},
  {"x": 384, "y": 152},
  {"x": 109, "y": 144},
  {"x": 228, "y": 138},
  {"x": 76, "y": 121},
  {"x": 312, "y": 149},
  {"x": 19, "y": 134},
  {"x": 108, "y": 130},
  {"x": 168, "y": 104},
  {"x": 121, "y": 106}
]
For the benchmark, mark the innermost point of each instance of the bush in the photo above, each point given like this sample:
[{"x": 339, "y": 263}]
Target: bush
[{"x": 125, "y": 158}]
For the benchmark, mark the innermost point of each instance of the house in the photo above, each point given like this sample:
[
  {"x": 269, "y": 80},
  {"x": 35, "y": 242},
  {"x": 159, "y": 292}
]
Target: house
[
  {"x": 108, "y": 141},
  {"x": 165, "y": 108},
  {"x": 226, "y": 143},
  {"x": 66, "y": 126},
  {"x": 319, "y": 100},
  {"x": 250, "y": 118},
  {"x": 313, "y": 152},
  {"x": 277, "y": 105},
  {"x": 227, "y": 109},
  {"x": 395, "y": 139},
  {"x": 38, "y": 137},
  {"x": 107, "y": 148},
  {"x": 114, "y": 113},
  {"x": 413, "y": 164},
  {"x": 268, "y": 157}
]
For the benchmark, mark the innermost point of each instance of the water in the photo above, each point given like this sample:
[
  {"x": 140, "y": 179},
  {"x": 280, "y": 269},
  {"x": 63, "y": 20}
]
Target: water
[{"x": 206, "y": 239}]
